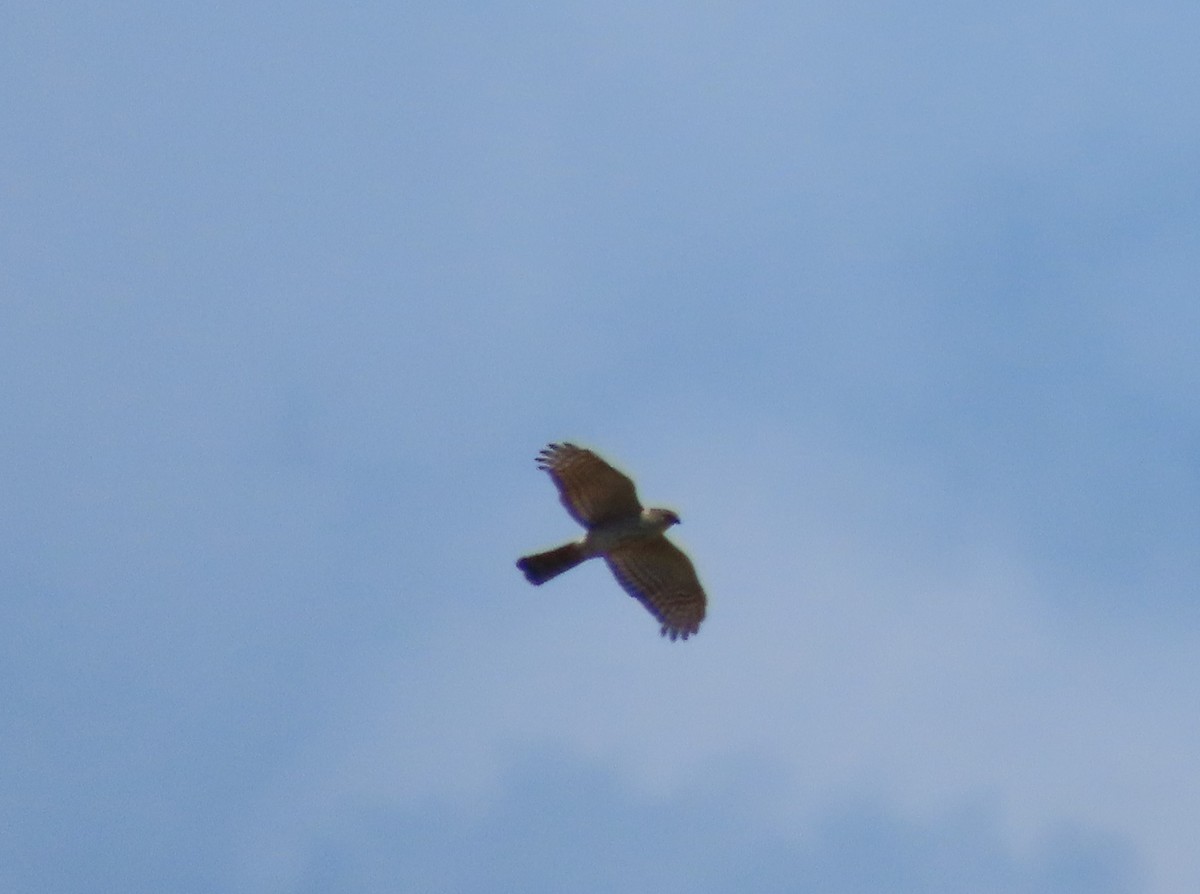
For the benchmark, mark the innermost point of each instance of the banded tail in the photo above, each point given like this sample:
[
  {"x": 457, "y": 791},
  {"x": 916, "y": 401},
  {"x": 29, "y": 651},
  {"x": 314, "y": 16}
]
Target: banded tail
[{"x": 540, "y": 567}]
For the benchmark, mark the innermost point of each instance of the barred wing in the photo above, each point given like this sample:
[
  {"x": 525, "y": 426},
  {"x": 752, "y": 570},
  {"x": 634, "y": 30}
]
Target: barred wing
[
  {"x": 661, "y": 576},
  {"x": 591, "y": 490}
]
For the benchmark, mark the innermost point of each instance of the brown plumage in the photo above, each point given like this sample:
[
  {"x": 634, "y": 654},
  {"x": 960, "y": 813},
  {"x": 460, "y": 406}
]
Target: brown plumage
[{"x": 629, "y": 538}]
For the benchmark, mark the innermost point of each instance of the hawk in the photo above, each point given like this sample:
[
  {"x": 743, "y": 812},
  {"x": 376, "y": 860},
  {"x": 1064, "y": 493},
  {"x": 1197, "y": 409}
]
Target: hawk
[{"x": 630, "y": 539}]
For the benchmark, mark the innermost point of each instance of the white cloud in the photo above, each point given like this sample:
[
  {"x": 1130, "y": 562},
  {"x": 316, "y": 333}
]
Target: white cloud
[{"x": 833, "y": 657}]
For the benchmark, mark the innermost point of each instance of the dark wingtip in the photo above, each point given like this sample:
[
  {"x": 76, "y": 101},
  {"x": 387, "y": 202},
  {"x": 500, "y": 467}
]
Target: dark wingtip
[{"x": 546, "y": 455}]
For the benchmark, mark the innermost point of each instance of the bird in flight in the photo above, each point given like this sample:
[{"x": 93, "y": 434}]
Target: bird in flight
[{"x": 629, "y": 538}]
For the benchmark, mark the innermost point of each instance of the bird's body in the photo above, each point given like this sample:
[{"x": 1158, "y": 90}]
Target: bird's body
[
  {"x": 598, "y": 542},
  {"x": 628, "y": 537},
  {"x": 604, "y": 539}
]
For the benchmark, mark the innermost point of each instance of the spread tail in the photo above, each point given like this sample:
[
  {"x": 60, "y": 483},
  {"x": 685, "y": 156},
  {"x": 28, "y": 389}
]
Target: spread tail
[{"x": 540, "y": 567}]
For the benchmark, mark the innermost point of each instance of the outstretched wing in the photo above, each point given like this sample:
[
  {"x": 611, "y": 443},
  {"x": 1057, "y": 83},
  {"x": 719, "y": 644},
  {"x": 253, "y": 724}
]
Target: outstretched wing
[
  {"x": 660, "y": 575},
  {"x": 591, "y": 490}
]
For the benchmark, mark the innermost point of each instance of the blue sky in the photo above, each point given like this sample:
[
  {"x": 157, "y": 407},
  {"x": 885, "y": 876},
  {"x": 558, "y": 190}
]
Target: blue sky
[{"x": 897, "y": 304}]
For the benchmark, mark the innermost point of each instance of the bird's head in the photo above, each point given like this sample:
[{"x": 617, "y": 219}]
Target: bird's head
[{"x": 662, "y": 518}]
